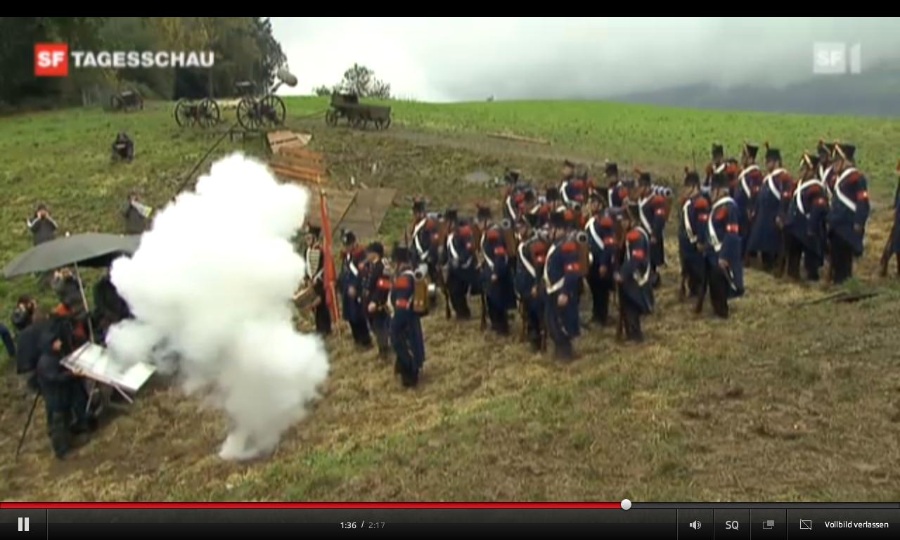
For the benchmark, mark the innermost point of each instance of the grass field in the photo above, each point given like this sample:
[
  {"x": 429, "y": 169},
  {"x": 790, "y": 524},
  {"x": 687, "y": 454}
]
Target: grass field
[{"x": 785, "y": 401}]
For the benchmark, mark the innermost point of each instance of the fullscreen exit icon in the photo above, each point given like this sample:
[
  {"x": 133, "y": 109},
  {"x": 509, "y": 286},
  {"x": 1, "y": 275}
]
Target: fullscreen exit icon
[{"x": 24, "y": 524}]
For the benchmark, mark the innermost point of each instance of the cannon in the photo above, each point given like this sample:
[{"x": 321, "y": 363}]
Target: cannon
[
  {"x": 358, "y": 115},
  {"x": 204, "y": 113},
  {"x": 128, "y": 100},
  {"x": 255, "y": 112}
]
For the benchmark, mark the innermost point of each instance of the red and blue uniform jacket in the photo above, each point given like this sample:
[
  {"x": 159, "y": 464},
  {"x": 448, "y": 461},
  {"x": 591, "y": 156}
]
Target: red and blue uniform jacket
[
  {"x": 724, "y": 234},
  {"x": 635, "y": 271},
  {"x": 601, "y": 233},
  {"x": 850, "y": 208},
  {"x": 425, "y": 238},
  {"x": 352, "y": 267},
  {"x": 807, "y": 214}
]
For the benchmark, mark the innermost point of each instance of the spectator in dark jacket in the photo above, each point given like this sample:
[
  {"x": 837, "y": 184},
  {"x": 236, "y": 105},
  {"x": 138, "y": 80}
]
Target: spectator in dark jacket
[{"x": 42, "y": 226}]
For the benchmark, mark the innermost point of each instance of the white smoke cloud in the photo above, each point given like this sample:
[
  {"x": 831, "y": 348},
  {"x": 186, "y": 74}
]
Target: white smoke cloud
[{"x": 211, "y": 287}]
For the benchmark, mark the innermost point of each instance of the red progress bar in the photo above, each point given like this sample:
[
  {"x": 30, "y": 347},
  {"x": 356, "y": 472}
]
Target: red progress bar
[{"x": 265, "y": 506}]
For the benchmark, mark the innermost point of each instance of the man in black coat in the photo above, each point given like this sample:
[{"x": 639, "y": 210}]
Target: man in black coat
[
  {"x": 109, "y": 307},
  {"x": 65, "y": 397},
  {"x": 41, "y": 225}
]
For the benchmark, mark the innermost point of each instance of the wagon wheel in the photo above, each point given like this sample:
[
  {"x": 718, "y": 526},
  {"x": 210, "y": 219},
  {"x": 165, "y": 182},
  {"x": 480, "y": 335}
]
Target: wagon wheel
[
  {"x": 183, "y": 113},
  {"x": 247, "y": 114},
  {"x": 115, "y": 103},
  {"x": 331, "y": 117},
  {"x": 208, "y": 114},
  {"x": 272, "y": 110}
]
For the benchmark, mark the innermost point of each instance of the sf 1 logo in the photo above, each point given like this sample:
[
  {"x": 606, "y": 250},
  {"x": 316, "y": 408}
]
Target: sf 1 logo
[{"x": 51, "y": 60}]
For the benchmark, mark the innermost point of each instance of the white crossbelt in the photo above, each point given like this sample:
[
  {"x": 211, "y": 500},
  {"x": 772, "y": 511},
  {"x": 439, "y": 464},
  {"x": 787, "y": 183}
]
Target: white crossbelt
[{"x": 711, "y": 228}]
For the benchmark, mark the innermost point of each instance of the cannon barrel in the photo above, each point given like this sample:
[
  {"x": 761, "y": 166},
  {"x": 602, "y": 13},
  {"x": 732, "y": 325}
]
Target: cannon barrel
[
  {"x": 581, "y": 237},
  {"x": 506, "y": 224},
  {"x": 286, "y": 77},
  {"x": 419, "y": 274}
]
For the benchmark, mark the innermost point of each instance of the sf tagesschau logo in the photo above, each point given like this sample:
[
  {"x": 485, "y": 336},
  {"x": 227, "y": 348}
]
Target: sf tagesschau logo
[
  {"x": 837, "y": 58},
  {"x": 53, "y": 59}
]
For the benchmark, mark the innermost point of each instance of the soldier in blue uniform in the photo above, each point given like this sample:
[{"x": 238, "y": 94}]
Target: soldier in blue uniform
[
  {"x": 825, "y": 174},
  {"x": 716, "y": 165},
  {"x": 424, "y": 241},
  {"x": 601, "y": 236},
  {"x": 892, "y": 247},
  {"x": 496, "y": 273},
  {"x": 749, "y": 183},
  {"x": 771, "y": 208},
  {"x": 574, "y": 190},
  {"x": 376, "y": 289},
  {"x": 724, "y": 274},
  {"x": 568, "y": 171},
  {"x": 462, "y": 271},
  {"x": 315, "y": 278},
  {"x": 562, "y": 279},
  {"x": 651, "y": 214},
  {"x": 805, "y": 224},
  {"x": 353, "y": 261},
  {"x": 531, "y": 254},
  {"x": 617, "y": 190},
  {"x": 633, "y": 279},
  {"x": 515, "y": 195},
  {"x": 692, "y": 235},
  {"x": 406, "y": 327},
  {"x": 848, "y": 214}
]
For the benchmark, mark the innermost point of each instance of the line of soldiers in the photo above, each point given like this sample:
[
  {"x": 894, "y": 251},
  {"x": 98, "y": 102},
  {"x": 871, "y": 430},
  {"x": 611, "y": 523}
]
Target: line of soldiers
[
  {"x": 820, "y": 216},
  {"x": 375, "y": 298},
  {"x": 539, "y": 255}
]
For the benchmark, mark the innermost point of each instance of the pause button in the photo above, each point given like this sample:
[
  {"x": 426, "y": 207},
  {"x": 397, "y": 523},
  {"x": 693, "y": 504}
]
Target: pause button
[{"x": 24, "y": 524}]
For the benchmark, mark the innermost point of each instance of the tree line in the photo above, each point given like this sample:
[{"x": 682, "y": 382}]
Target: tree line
[{"x": 245, "y": 50}]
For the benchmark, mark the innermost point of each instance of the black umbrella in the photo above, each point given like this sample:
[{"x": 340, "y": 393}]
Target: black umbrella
[{"x": 92, "y": 250}]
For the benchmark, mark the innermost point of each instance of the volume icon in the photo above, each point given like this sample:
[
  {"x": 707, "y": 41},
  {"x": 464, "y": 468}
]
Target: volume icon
[
  {"x": 24, "y": 524},
  {"x": 694, "y": 525}
]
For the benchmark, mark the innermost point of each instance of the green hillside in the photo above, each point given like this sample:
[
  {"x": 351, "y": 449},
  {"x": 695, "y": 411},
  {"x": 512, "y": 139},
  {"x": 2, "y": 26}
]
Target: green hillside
[{"x": 787, "y": 401}]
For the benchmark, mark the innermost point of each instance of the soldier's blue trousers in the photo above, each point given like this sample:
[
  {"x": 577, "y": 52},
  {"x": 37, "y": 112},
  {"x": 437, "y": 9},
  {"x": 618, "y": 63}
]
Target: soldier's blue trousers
[
  {"x": 557, "y": 328},
  {"x": 406, "y": 339}
]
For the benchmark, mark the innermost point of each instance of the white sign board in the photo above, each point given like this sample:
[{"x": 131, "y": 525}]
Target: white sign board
[{"x": 94, "y": 362}]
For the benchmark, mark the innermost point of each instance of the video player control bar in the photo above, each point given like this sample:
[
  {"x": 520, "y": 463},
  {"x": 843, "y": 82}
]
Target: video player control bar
[{"x": 640, "y": 520}]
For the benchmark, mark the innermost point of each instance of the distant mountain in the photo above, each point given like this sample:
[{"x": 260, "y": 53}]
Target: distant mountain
[{"x": 875, "y": 92}]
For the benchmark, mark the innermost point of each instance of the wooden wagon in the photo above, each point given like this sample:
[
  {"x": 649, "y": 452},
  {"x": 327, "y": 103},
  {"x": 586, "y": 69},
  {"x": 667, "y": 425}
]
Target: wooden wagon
[{"x": 358, "y": 115}]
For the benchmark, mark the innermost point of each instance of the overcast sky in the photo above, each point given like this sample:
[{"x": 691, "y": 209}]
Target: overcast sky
[{"x": 459, "y": 59}]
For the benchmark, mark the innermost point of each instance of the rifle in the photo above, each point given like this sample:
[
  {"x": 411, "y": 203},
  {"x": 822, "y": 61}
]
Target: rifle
[
  {"x": 888, "y": 244},
  {"x": 620, "y": 326},
  {"x": 523, "y": 333},
  {"x": 704, "y": 285},
  {"x": 483, "y": 311}
]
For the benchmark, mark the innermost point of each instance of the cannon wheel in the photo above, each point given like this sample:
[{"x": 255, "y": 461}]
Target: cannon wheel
[
  {"x": 115, "y": 103},
  {"x": 331, "y": 117},
  {"x": 209, "y": 113},
  {"x": 272, "y": 110},
  {"x": 247, "y": 115},
  {"x": 182, "y": 113}
]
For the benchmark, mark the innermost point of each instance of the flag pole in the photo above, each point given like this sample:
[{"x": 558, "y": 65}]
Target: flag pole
[{"x": 330, "y": 277}]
